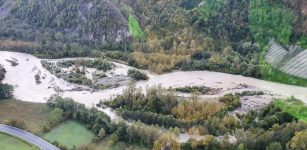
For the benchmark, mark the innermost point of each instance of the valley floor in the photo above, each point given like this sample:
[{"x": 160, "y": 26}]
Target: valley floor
[{"x": 22, "y": 77}]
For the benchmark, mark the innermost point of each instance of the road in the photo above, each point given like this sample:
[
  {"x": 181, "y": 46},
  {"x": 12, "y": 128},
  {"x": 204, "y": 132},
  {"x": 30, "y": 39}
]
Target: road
[{"x": 28, "y": 137}]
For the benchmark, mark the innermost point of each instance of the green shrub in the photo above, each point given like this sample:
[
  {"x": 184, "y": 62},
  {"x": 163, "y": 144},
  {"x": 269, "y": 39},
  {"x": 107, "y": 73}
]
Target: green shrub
[
  {"x": 137, "y": 75},
  {"x": 6, "y": 91},
  {"x": 231, "y": 101}
]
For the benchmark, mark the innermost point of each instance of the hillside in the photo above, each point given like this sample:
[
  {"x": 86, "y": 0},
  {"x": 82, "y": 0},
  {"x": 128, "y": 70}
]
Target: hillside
[
  {"x": 160, "y": 35},
  {"x": 58, "y": 25}
]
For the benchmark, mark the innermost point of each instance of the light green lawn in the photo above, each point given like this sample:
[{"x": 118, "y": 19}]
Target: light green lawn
[
  {"x": 70, "y": 134},
  {"x": 135, "y": 28},
  {"x": 11, "y": 143}
]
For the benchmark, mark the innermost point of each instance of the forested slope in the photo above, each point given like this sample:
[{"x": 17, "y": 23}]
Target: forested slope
[
  {"x": 160, "y": 35},
  {"x": 64, "y": 25}
]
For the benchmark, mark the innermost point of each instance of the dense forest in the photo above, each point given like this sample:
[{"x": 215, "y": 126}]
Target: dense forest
[{"x": 160, "y": 35}]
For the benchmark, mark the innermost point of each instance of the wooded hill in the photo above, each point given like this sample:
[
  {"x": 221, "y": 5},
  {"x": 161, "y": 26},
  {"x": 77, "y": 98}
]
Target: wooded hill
[{"x": 160, "y": 35}]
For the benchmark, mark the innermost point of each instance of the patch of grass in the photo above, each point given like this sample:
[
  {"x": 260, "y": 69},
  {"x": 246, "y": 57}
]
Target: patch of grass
[
  {"x": 302, "y": 42},
  {"x": 271, "y": 74},
  {"x": 135, "y": 28},
  {"x": 33, "y": 114},
  {"x": 70, "y": 134},
  {"x": 294, "y": 107},
  {"x": 8, "y": 142}
]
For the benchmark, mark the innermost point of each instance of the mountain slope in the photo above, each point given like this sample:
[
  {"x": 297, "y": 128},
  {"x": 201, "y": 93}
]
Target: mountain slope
[
  {"x": 222, "y": 35},
  {"x": 97, "y": 22}
]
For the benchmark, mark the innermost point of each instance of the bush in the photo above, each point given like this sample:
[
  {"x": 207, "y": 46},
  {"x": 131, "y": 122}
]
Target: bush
[
  {"x": 6, "y": 91},
  {"x": 2, "y": 73},
  {"x": 249, "y": 93},
  {"x": 37, "y": 79},
  {"x": 137, "y": 75},
  {"x": 231, "y": 101},
  {"x": 16, "y": 123},
  {"x": 201, "y": 89},
  {"x": 117, "y": 55},
  {"x": 13, "y": 62}
]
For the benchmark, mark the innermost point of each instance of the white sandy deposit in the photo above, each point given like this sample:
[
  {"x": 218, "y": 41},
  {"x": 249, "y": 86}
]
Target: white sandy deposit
[{"x": 22, "y": 78}]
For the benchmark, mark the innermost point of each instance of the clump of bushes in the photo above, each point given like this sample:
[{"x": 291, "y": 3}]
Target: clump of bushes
[
  {"x": 2, "y": 73},
  {"x": 231, "y": 101},
  {"x": 200, "y": 89},
  {"x": 13, "y": 62},
  {"x": 98, "y": 63},
  {"x": 37, "y": 79},
  {"x": 117, "y": 55},
  {"x": 65, "y": 64},
  {"x": 6, "y": 90},
  {"x": 16, "y": 123},
  {"x": 137, "y": 75},
  {"x": 250, "y": 93},
  {"x": 77, "y": 78}
]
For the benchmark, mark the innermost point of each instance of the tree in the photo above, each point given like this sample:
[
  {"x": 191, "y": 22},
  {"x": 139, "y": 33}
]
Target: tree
[
  {"x": 137, "y": 75},
  {"x": 55, "y": 117},
  {"x": 299, "y": 141},
  {"x": 101, "y": 133},
  {"x": 166, "y": 141},
  {"x": 6, "y": 91},
  {"x": 113, "y": 139},
  {"x": 2, "y": 73},
  {"x": 37, "y": 79},
  {"x": 241, "y": 147},
  {"x": 274, "y": 146}
]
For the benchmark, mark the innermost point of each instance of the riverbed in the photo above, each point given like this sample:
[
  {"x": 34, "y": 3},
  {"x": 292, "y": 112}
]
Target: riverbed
[{"x": 26, "y": 89}]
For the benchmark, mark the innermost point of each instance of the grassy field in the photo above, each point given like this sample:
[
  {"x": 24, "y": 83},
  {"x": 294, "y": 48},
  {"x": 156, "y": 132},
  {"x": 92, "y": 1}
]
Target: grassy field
[
  {"x": 33, "y": 114},
  {"x": 11, "y": 143},
  {"x": 294, "y": 107},
  {"x": 135, "y": 28},
  {"x": 70, "y": 134}
]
